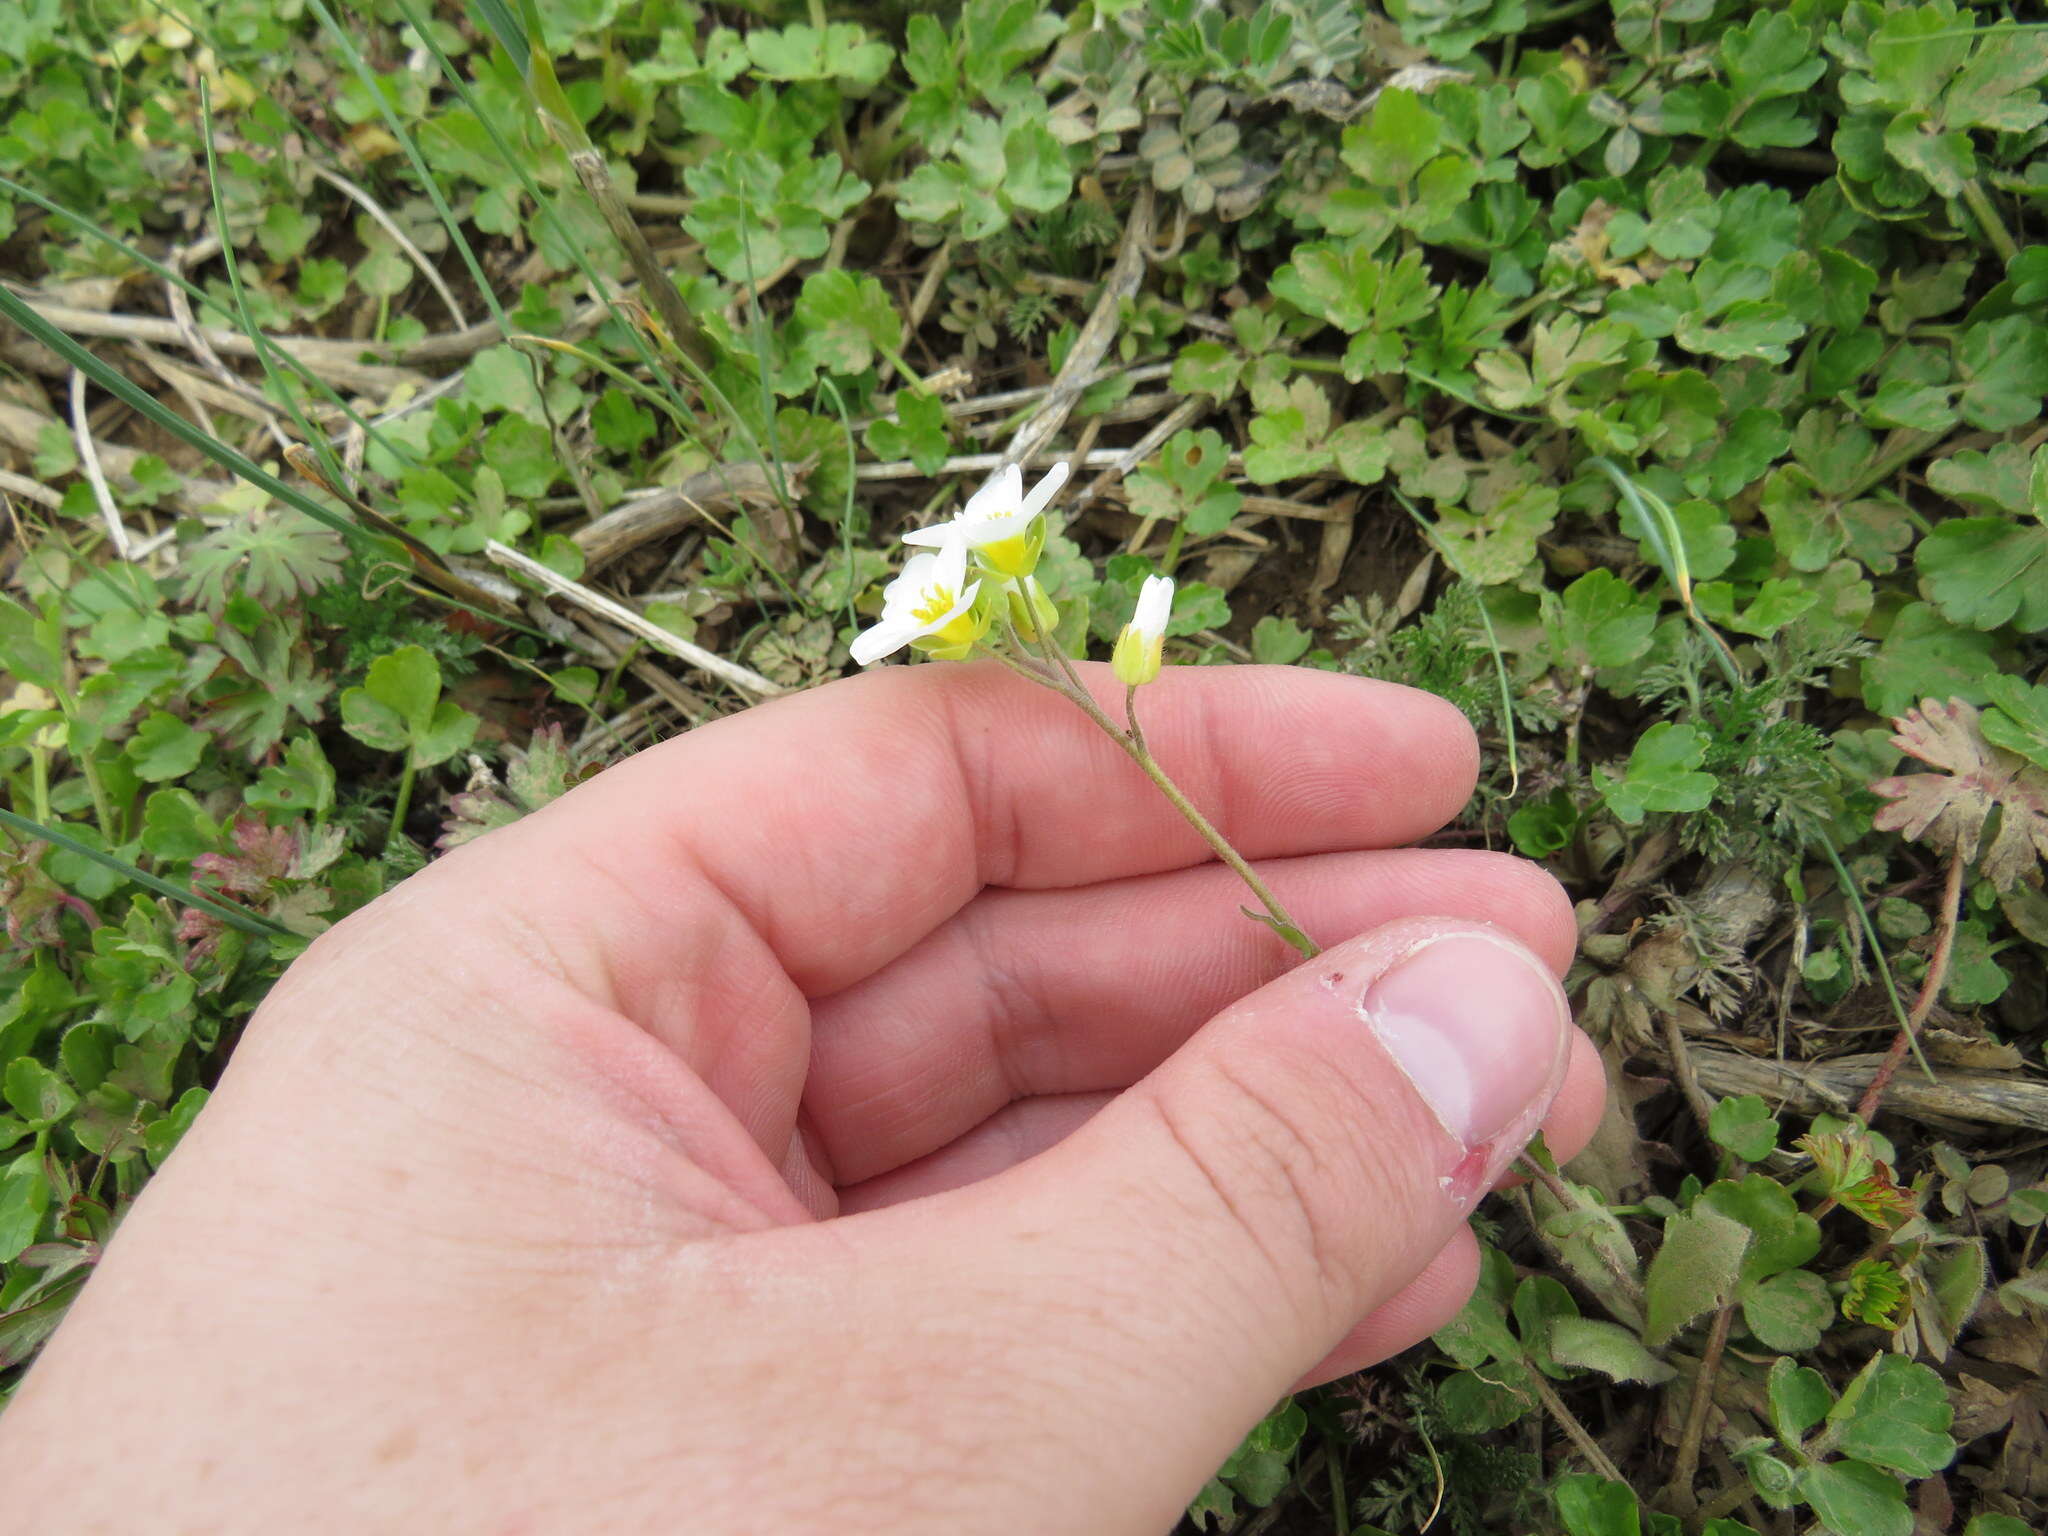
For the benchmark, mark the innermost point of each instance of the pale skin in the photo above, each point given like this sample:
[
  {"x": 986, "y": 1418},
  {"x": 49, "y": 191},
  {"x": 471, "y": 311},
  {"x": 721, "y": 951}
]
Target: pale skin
[{"x": 868, "y": 1113}]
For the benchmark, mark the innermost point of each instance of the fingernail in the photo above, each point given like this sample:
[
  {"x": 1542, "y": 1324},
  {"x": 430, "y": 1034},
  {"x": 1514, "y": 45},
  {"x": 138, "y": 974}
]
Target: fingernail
[{"x": 1481, "y": 1033}]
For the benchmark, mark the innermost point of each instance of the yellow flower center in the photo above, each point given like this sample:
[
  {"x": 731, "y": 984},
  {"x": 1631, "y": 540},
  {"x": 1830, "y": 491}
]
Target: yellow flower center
[{"x": 935, "y": 603}]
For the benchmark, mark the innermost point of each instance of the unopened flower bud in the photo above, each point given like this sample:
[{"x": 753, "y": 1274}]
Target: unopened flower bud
[{"x": 1140, "y": 647}]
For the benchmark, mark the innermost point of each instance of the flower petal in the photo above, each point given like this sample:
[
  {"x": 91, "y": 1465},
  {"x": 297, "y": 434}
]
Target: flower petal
[
  {"x": 885, "y": 639},
  {"x": 1003, "y": 493},
  {"x": 1155, "y": 606},
  {"x": 1045, "y": 489}
]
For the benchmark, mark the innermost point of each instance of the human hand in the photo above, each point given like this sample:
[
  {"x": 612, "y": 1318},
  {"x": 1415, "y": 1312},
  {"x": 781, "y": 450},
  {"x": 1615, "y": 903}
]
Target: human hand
[{"x": 866, "y": 1111}]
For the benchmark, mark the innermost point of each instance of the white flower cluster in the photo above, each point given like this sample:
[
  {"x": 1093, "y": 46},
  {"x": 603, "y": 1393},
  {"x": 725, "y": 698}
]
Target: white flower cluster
[{"x": 981, "y": 560}]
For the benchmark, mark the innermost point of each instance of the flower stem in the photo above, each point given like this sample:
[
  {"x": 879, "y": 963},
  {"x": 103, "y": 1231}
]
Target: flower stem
[
  {"x": 1276, "y": 918},
  {"x": 1133, "y": 742}
]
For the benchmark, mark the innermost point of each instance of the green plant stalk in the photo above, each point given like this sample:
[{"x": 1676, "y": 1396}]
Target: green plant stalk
[
  {"x": 610, "y": 370},
  {"x": 757, "y": 334},
  {"x": 233, "y": 916},
  {"x": 839, "y": 140},
  {"x": 649, "y": 358},
  {"x": 1068, "y": 682},
  {"x": 1500, "y": 667},
  {"x": 1662, "y": 531},
  {"x": 1174, "y": 540},
  {"x": 103, "y": 808},
  {"x": 1575, "y": 1431},
  {"x": 39, "y": 781},
  {"x": 596, "y": 176},
  {"x": 911, "y": 378},
  {"x": 846, "y": 509},
  {"x": 1507, "y": 699},
  {"x": 404, "y": 802},
  {"x": 1986, "y": 214}
]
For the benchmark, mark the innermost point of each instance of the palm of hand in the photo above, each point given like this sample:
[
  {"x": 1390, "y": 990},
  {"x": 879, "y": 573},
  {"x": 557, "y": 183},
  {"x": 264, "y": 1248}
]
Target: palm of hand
[{"x": 525, "y": 1170}]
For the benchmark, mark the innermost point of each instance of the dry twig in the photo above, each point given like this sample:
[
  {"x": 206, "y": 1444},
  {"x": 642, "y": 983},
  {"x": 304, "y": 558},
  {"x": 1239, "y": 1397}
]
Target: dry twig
[
  {"x": 730, "y": 672},
  {"x": 95, "y": 476}
]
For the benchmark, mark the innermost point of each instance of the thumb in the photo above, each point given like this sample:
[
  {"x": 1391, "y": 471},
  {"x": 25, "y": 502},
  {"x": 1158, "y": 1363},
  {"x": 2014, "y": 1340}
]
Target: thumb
[{"x": 1165, "y": 1273}]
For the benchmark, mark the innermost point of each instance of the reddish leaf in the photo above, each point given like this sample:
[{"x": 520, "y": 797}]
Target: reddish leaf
[{"x": 1949, "y": 809}]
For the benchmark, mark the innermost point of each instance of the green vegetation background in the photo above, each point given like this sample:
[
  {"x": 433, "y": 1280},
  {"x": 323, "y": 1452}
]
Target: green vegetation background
[{"x": 1661, "y": 382}]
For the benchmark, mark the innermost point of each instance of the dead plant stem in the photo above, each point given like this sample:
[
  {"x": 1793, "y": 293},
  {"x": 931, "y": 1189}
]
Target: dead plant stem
[{"x": 1679, "y": 1493}]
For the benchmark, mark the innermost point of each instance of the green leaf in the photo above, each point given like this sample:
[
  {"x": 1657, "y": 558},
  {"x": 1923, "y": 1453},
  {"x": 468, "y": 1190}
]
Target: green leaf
[
  {"x": 399, "y": 709},
  {"x": 920, "y": 433},
  {"x": 1986, "y": 572},
  {"x": 1543, "y": 827},
  {"x": 2004, "y": 366},
  {"x": 1539, "y": 1302},
  {"x": 1789, "y": 1311},
  {"x": 1597, "y": 1345},
  {"x": 1035, "y": 171},
  {"x": 1694, "y": 1271},
  {"x": 1473, "y": 1403},
  {"x": 174, "y": 826},
  {"x": 301, "y": 785},
  {"x": 1596, "y": 1506},
  {"x": 839, "y": 50},
  {"x": 1662, "y": 774},
  {"x": 847, "y": 318},
  {"x": 1781, "y": 1235},
  {"x": 1197, "y": 606},
  {"x": 1479, "y": 1334},
  {"x": 1745, "y": 1126},
  {"x": 1494, "y": 540},
  {"x": 1279, "y": 642},
  {"x": 1854, "y": 1499},
  {"x": 1924, "y": 657},
  {"x": 620, "y": 423},
  {"x": 1994, "y": 480},
  {"x": 1998, "y": 1525},
  {"x": 1206, "y": 368},
  {"x": 1800, "y": 1399},
  {"x": 162, "y": 1136},
  {"x": 38, "y": 1095},
  {"x": 1603, "y": 622},
  {"x": 1284, "y": 446},
  {"x": 1896, "y": 1413},
  {"x": 1776, "y": 603},
  {"x": 31, "y": 645},
  {"x": 24, "y": 1197},
  {"x": 2020, "y": 722},
  {"x": 399, "y": 693},
  {"x": 165, "y": 747},
  {"x": 1399, "y": 137}
]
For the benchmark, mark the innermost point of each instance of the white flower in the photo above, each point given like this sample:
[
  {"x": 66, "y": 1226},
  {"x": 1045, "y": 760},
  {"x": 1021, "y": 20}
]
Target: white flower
[
  {"x": 1141, "y": 646},
  {"x": 932, "y": 599},
  {"x": 997, "y": 522}
]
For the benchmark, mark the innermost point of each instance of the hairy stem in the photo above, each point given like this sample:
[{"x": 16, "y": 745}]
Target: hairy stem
[
  {"x": 1679, "y": 1493},
  {"x": 1579, "y": 1435},
  {"x": 1133, "y": 743}
]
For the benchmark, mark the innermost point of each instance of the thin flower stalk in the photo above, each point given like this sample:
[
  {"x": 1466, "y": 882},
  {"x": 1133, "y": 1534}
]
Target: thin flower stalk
[{"x": 978, "y": 568}]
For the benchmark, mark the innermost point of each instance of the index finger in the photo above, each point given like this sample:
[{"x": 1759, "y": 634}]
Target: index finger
[{"x": 843, "y": 824}]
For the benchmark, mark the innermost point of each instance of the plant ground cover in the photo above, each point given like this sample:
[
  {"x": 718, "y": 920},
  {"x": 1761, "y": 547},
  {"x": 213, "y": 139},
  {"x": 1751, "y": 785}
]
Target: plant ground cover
[{"x": 410, "y": 412}]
